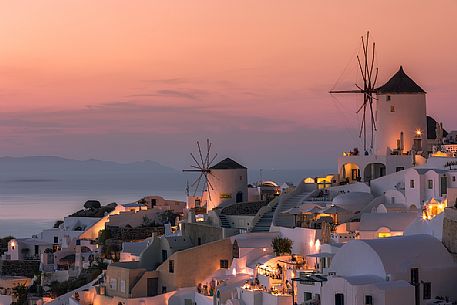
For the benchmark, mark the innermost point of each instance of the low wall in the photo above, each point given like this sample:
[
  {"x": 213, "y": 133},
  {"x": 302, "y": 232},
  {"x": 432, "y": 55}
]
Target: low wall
[
  {"x": 20, "y": 268},
  {"x": 130, "y": 234}
]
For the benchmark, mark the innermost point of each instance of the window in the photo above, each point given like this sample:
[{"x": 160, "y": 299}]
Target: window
[
  {"x": 113, "y": 284},
  {"x": 164, "y": 289},
  {"x": 414, "y": 276},
  {"x": 388, "y": 98},
  {"x": 171, "y": 266},
  {"x": 392, "y": 108},
  {"x": 453, "y": 178},
  {"x": 224, "y": 263},
  {"x": 384, "y": 234},
  {"x": 199, "y": 241},
  {"x": 427, "y": 290},
  {"x": 339, "y": 299},
  {"x": 430, "y": 184},
  {"x": 411, "y": 184},
  {"x": 368, "y": 300},
  {"x": 399, "y": 168},
  {"x": 56, "y": 239},
  {"x": 308, "y": 296},
  {"x": 122, "y": 284}
]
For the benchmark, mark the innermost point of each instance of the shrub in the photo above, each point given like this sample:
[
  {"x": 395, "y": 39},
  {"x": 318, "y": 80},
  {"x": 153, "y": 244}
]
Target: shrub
[
  {"x": 92, "y": 204},
  {"x": 282, "y": 245}
]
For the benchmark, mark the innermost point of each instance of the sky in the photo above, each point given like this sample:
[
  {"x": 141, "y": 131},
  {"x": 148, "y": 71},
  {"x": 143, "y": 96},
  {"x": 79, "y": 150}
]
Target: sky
[{"x": 137, "y": 80}]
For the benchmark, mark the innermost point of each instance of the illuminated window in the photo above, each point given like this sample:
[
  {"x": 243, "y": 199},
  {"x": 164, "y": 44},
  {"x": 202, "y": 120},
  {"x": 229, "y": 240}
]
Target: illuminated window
[
  {"x": 430, "y": 184},
  {"x": 384, "y": 234},
  {"x": 113, "y": 284},
  {"x": 122, "y": 288},
  {"x": 392, "y": 108}
]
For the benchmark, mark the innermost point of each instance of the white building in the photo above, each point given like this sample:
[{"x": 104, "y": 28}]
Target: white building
[
  {"x": 425, "y": 183},
  {"x": 228, "y": 184},
  {"x": 381, "y": 225},
  {"x": 396, "y": 270},
  {"x": 26, "y": 248}
]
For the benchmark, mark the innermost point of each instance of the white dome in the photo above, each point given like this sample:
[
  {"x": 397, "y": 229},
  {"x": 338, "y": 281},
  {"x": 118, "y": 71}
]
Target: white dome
[
  {"x": 392, "y": 255},
  {"x": 354, "y": 201}
]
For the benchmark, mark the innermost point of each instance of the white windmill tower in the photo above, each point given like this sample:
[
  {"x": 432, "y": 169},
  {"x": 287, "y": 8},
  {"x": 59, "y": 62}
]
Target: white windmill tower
[{"x": 222, "y": 183}]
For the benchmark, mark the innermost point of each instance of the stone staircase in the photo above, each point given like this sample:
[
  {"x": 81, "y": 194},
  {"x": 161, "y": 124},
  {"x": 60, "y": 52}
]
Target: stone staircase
[
  {"x": 224, "y": 221},
  {"x": 295, "y": 200},
  {"x": 264, "y": 222}
]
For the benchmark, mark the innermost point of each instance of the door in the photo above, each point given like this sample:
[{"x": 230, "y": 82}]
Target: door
[
  {"x": 164, "y": 255},
  {"x": 443, "y": 185},
  {"x": 239, "y": 197},
  {"x": 153, "y": 286}
]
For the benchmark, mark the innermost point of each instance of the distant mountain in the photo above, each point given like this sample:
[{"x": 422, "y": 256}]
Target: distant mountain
[{"x": 50, "y": 166}]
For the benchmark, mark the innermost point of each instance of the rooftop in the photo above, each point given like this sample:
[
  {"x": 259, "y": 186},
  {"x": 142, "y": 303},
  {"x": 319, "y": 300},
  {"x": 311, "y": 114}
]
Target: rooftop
[
  {"x": 228, "y": 163},
  {"x": 400, "y": 83}
]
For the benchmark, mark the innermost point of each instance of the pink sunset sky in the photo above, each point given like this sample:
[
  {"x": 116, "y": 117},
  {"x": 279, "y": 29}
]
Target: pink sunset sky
[{"x": 136, "y": 80}]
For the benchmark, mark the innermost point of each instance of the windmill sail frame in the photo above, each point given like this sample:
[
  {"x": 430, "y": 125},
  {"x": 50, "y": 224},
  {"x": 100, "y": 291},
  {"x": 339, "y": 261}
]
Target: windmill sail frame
[{"x": 368, "y": 89}]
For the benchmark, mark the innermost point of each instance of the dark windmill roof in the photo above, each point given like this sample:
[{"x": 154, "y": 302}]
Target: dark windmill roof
[
  {"x": 400, "y": 83},
  {"x": 227, "y": 164}
]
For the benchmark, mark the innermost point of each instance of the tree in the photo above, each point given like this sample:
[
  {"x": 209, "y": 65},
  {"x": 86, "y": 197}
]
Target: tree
[
  {"x": 103, "y": 236},
  {"x": 282, "y": 245},
  {"x": 57, "y": 224},
  {"x": 20, "y": 294},
  {"x": 168, "y": 217},
  {"x": 92, "y": 204},
  {"x": 4, "y": 243}
]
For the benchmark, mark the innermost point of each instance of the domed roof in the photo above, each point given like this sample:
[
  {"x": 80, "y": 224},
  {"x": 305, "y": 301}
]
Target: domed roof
[
  {"x": 391, "y": 255},
  {"x": 269, "y": 183},
  {"x": 400, "y": 83},
  {"x": 354, "y": 201}
]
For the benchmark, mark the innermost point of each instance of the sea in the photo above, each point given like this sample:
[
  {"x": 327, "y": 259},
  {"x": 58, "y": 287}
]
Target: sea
[{"x": 28, "y": 206}]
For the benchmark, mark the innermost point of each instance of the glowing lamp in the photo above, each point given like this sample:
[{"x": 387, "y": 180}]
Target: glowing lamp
[
  {"x": 418, "y": 132},
  {"x": 318, "y": 245}
]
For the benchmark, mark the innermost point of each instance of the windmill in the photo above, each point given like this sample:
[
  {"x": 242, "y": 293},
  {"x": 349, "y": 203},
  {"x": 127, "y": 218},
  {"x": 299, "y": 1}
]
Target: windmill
[
  {"x": 369, "y": 77},
  {"x": 202, "y": 164}
]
